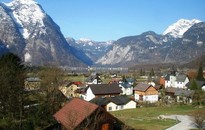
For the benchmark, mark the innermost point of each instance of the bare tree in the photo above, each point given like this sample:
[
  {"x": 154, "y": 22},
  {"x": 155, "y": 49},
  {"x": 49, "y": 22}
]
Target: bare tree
[{"x": 199, "y": 118}]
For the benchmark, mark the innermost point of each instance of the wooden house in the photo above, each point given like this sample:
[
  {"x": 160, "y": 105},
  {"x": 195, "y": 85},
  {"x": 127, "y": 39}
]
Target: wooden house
[
  {"x": 145, "y": 92},
  {"x": 82, "y": 115}
]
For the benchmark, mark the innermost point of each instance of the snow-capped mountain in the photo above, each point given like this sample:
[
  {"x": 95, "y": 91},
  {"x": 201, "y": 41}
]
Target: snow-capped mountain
[
  {"x": 151, "y": 48},
  {"x": 180, "y": 27},
  {"x": 94, "y": 50},
  {"x": 190, "y": 46},
  {"x": 29, "y": 32}
]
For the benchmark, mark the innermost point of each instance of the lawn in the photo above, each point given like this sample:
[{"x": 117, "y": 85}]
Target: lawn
[{"x": 146, "y": 118}]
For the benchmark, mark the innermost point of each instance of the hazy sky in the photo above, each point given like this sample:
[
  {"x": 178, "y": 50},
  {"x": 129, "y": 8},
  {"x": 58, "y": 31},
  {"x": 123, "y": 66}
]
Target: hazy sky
[{"x": 102, "y": 20}]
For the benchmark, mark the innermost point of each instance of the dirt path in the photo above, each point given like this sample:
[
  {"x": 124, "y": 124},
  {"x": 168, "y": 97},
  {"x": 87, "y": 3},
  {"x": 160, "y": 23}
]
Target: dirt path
[{"x": 185, "y": 122}]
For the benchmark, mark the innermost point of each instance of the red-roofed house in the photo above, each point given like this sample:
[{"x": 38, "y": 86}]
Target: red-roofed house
[
  {"x": 79, "y": 114},
  {"x": 145, "y": 92}
]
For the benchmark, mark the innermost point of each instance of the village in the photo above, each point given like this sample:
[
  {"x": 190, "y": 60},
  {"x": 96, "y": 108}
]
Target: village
[{"x": 91, "y": 98}]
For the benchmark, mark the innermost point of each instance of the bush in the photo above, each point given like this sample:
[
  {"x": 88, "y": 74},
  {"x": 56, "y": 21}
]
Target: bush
[{"x": 199, "y": 118}]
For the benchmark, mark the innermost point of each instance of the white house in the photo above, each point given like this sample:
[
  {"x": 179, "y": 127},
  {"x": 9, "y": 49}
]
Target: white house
[
  {"x": 126, "y": 88},
  {"x": 176, "y": 81},
  {"x": 115, "y": 103},
  {"x": 106, "y": 90},
  {"x": 94, "y": 79}
]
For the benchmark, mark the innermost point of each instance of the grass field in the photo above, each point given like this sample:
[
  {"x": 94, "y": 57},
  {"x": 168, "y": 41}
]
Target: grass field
[{"x": 147, "y": 118}]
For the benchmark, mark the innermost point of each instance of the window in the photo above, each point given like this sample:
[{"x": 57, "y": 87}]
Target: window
[{"x": 110, "y": 108}]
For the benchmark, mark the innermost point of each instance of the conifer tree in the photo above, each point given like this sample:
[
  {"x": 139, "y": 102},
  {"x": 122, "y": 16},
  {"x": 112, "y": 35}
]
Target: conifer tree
[
  {"x": 200, "y": 76},
  {"x": 12, "y": 75}
]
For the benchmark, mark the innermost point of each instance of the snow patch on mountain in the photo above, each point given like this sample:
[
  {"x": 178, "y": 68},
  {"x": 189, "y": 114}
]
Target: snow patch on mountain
[
  {"x": 180, "y": 27},
  {"x": 26, "y": 12}
]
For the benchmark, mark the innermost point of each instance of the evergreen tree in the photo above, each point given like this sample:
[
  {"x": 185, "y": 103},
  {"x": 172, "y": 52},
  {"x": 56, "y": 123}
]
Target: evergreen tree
[
  {"x": 200, "y": 76},
  {"x": 194, "y": 85},
  {"x": 12, "y": 75},
  {"x": 152, "y": 72}
]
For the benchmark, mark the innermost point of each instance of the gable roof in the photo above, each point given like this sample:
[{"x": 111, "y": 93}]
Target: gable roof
[
  {"x": 172, "y": 89},
  {"x": 167, "y": 77},
  {"x": 131, "y": 80},
  {"x": 181, "y": 78},
  {"x": 142, "y": 87},
  {"x": 92, "y": 78},
  {"x": 105, "y": 89},
  {"x": 187, "y": 93},
  {"x": 126, "y": 85},
  {"x": 118, "y": 100},
  {"x": 74, "y": 112}
]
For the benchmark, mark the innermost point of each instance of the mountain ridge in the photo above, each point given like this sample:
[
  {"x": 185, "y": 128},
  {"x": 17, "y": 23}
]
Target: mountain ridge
[
  {"x": 150, "y": 47},
  {"x": 29, "y": 32},
  {"x": 35, "y": 37}
]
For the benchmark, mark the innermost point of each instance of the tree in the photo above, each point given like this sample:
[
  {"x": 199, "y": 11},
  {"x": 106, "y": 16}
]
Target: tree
[
  {"x": 51, "y": 98},
  {"x": 152, "y": 72},
  {"x": 194, "y": 85},
  {"x": 200, "y": 76},
  {"x": 142, "y": 72},
  {"x": 12, "y": 75},
  {"x": 199, "y": 94}
]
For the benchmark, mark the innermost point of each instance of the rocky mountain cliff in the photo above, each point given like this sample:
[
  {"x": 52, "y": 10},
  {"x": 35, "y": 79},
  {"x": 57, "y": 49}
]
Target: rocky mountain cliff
[
  {"x": 26, "y": 30},
  {"x": 151, "y": 48}
]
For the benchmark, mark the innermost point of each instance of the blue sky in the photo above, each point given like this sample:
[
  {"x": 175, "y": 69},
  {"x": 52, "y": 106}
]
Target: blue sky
[{"x": 102, "y": 20}]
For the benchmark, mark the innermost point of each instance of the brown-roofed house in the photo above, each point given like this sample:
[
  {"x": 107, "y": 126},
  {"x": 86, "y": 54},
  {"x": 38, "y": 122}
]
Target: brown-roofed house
[
  {"x": 145, "y": 92},
  {"x": 79, "y": 114}
]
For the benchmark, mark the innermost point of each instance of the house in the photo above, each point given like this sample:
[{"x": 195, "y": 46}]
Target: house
[
  {"x": 130, "y": 81},
  {"x": 145, "y": 92},
  {"x": 126, "y": 85},
  {"x": 114, "y": 103},
  {"x": 114, "y": 75},
  {"x": 82, "y": 115},
  {"x": 184, "y": 96},
  {"x": 32, "y": 83},
  {"x": 178, "y": 95},
  {"x": 177, "y": 81},
  {"x": 106, "y": 90},
  {"x": 69, "y": 89},
  {"x": 94, "y": 79},
  {"x": 162, "y": 81},
  {"x": 127, "y": 89}
]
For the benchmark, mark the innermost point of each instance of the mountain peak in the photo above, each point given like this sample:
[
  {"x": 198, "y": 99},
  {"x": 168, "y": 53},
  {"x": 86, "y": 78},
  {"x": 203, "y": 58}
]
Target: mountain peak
[
  {"x": 20, "y": 2},
  {"x": 180, "y": 27},
  {"x": 26, "y": 12}
]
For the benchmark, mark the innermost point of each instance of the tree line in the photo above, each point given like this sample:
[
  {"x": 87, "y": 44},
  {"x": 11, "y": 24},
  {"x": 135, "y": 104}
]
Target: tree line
[{"x": 13, "y": 97}]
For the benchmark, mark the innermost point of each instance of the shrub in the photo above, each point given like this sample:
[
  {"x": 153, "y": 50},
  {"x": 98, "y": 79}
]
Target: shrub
[{"x": 199, "y": 118}]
